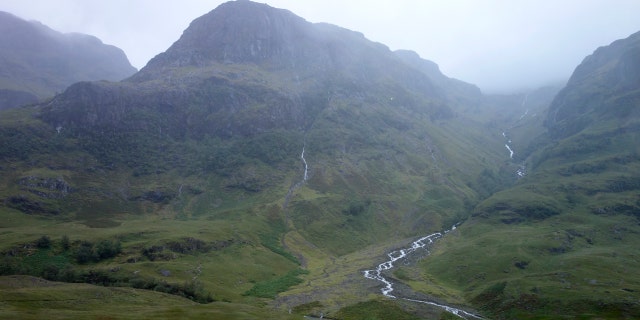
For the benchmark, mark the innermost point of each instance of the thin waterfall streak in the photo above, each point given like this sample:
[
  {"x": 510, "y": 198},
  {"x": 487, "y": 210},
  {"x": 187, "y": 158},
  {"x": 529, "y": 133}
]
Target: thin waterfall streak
[
  {"x": 298, "y": 184},
  {"x": 510, "y": 151},
  {"x": 306, "y": 167}
]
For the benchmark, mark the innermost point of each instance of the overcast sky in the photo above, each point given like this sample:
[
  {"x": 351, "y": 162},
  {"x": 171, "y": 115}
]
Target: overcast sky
[{"x": 499, "y": 45}]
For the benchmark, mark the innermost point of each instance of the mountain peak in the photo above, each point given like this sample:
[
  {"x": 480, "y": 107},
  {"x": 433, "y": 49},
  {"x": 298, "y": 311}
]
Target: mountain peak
[
  {"x": 276, "y": 40},
  {"x": 237, "y": 32}
]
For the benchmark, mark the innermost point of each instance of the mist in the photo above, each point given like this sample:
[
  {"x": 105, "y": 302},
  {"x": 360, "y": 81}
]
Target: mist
[{"x": 501, "y": 46}]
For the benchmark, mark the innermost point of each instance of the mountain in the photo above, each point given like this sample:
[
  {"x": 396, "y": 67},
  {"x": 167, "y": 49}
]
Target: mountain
[
  {"x": 37, "y": 61},
  {"x": 258, "y": 139},
  {"x": 247, "y": 87},
  {"x": 603, "y": 87},
  {"x": 562, "y": 239},
  {"x": 263, "y": 162},
  {"x": 459, "y": 93}
]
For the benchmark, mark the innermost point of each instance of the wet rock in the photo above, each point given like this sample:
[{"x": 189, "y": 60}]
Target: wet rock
[{"x": 48, "y": 188}]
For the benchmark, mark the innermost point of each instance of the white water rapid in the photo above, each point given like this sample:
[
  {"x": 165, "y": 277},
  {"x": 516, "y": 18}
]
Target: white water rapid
[
  {"x": 521, "y": 172},
  {"x": 403, "y": 253},
  {"x": 510, "y": 150}
]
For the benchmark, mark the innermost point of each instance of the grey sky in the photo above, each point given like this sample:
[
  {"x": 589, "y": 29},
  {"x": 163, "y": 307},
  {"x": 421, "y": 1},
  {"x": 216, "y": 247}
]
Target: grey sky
[{"x": 499, "y": 45}]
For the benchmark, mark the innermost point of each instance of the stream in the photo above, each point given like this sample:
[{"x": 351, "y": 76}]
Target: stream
[
  {"x": 522, "y": 169},
  {"x": 306, "y": 167},
  {"x": 297, "y": 185},
  {"x": 422, "y": 243}
]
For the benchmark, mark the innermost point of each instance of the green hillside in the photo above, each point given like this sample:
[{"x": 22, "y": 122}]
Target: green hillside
[
  {"x": 260, "y": 177},
  {"x": 563, "y": 239}
]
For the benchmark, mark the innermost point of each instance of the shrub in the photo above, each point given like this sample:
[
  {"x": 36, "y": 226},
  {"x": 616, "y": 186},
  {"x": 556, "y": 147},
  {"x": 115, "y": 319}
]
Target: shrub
[
  {"x": 88, "y": 252},
  {"x": 107, "y": 249},
  {"x": 43, "y": 242},
  {"x": 64, "y": 242},
  {"x": 84, "y": 253}
]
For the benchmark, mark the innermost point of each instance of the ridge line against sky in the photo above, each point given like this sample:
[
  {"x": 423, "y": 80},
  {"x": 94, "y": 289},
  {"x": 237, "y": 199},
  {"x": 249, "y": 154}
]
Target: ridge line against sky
[{"x": 499, "y": 45}]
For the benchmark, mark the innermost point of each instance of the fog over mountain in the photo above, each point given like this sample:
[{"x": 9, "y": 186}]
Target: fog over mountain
[
  {"x": 264, "y": 166},
  {"x": 38, "y": 61},
  {"x": 499, "y": 46}
]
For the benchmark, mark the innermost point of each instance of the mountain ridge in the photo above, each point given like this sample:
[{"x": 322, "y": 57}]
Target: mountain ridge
[
  {"x": 608, "y": 72},
  {"x": 39, "y": 61},
  {"x": 269, "y": 172}
]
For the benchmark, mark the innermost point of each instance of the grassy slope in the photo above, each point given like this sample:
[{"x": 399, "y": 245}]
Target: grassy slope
[
  {"x": 27, "y": 297},
  {"x": 561, "y": 241},
  {"x": 366, "y": 188},
  {"x": 108, "y": 202}
]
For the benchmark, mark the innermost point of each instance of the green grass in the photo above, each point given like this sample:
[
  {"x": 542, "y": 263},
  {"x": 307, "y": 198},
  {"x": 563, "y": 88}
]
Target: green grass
[
  {"x": 374, "y": 310},
  {"x": 26, "y": 297},
  {"x": 148, "y": 191},
  {"x": 270, "y": 288},
  {"x": 568, "y": 261},
  {"x": 240, "y": 260}
]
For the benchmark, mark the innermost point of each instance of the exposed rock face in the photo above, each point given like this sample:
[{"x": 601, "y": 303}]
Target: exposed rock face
[
  {"x": 37, "y": 61},
  {"x": 240, "y": 32},
  {"x": 246, "y": 68},
  {"x": 49, "y": 188},
  {"x": 605, "y": 85},
  {"x": 276, "y": 40}
]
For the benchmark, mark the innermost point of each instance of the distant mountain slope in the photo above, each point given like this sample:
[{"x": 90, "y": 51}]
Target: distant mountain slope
[
  {"x": 606, "y": 85},
  {"x": 563, "y": 239},
  {"x": 36, "y": 61},
  {"x": 460, "y": 94}
]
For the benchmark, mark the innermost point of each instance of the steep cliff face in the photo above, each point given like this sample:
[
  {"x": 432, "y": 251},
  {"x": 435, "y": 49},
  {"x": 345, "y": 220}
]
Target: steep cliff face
[
  {"x": 246, "y": 68},
  {"x": 239, "y": 33},
  {"x": 606, "y": 85},
  {"x": 38, "y": 61},
  {"x": 275, "y": 40}
]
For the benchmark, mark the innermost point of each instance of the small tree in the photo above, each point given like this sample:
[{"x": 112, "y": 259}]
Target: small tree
[
  {"x": 107, "y": 249},
  {"x": 43, "y": 242},
  {"x": 64, "y": 242},
  {"x": 85, "y": 253}
]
